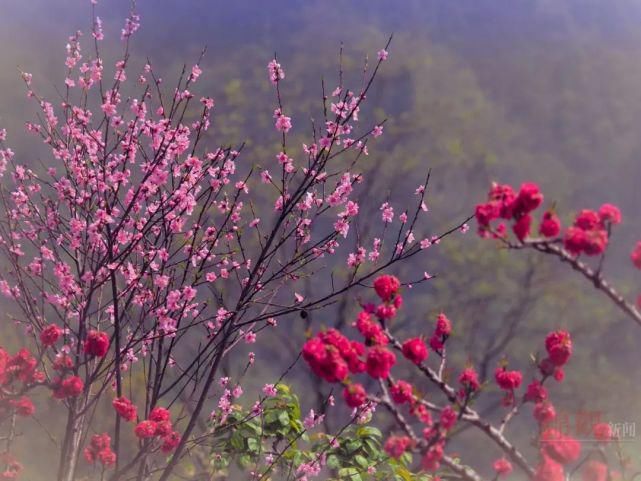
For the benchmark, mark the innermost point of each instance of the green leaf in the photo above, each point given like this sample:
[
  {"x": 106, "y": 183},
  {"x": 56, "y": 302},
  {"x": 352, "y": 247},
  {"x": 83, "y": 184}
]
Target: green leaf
[
  {"x": 361, "y": 461},
  {"x": 283, "y": 418},
  {"x": 333, "y": 462},
  {"x": 369, "y": 431},
  {"x": 252, "y": 444}
]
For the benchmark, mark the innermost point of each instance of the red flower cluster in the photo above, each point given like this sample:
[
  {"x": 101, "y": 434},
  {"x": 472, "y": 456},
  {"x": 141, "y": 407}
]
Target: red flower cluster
[
  {"x": 97, "y": 344},
  {"x": 395, "y": 446},
  {"x": 370, "y": 329},
  {"x": 50, "y": 334},
  {"x": 379, "y": 362},
  {"x": 508, "y": 381},
  {"x": 19, "y": 368},
  {"x": 559, "y": 347},
  {"x": 561, "y": 448},
  {"x": 550, "y": 225},
  {"x": 589, "y": 233},
  {"x": 158, "y": 424},
  {"x": 70, "y": 386},
  {"x": 544, "y": 412},
  {"x": 387, "y": 287},
  {"x": 12, "y": 467},
  {"x": 125, "y": 408},
  {"x": 442, "y": 331},
  {"x": 557, "y": 450},
  {"x": 17, "y": 374},
  {"x": 602, "y": 432},
  {"x": 415, "y": 350},
  {"x": 331, "y": 356},
  {"x": 469, "y": 381},
  {"x": 504, "y": 203},
  {"x": 355, "y": 395},
  {"x": 401, "y": 392},
  {"x": 99, "y": 449}
]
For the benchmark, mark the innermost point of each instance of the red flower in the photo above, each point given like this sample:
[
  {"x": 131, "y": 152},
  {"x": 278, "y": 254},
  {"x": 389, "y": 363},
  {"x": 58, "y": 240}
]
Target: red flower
[
  {"x": 385, "y": 311},
  {"x": 401, "y": 392},
  {"x": 325, "y": 360},
  {"x": 159, "y": 415},
  {"x": 99, "y": 449},
  {"x": 163, "y": 428},
  {"x": 636, "y": 255},
  {"x": 587, "y": 220},
  {"x": 559, "y": 347},
  {"x": 71, "y": 386},
  {"x": 502, "y": 467},
  {"x": 563, "y": 449},
  {"x": 508, "y": 380},
  {"x": 422, "y": 413},
  {"x": 386, "y": 287},
  {"x": 443, "y": 325},
  {"x": 536, "y": 392},
  {"x": 609, "y": 213},
  {"x": 107, "y": 457},
  {"x": 574, "y": 240},
  {"x": 432, "y": 458},
  {"x": 125, "y": 408},
  {"x": 370, "y": 329},
  {"x": 521, "y": 227},
  {"x": 395, "y": 446},
  {"x": 602, "y": 432},
  {"x": 549, "y": 470},
  {"x": 379, "y": 362},
  {"x": 354, "y": 395},
  {"x": 50, "y": 335},
  {"x": 469, "y": 379},
  {"x": 448, "y": 418},
  {"x": 97, "y": 343},
  {"x": 145, "y": 429},
  {"x": 23, "y": 406},
  {"x": 550, "y": 225},
  {"x": 415, "y": 350},
  {"x": 529, "y": 198},
  {"x": 544, "y": 412},
  {"x": 596, "y": 242},
  {"x": 169, "y": 442},
  {"x": 501, "y": 197}
]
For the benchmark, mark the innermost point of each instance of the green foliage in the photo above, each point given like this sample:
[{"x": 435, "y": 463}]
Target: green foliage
[{"x": 275, "y": 442}]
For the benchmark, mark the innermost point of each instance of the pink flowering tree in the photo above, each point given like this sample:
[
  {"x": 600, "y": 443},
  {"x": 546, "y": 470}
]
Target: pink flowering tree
[{"x": 142, "y": 254}]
